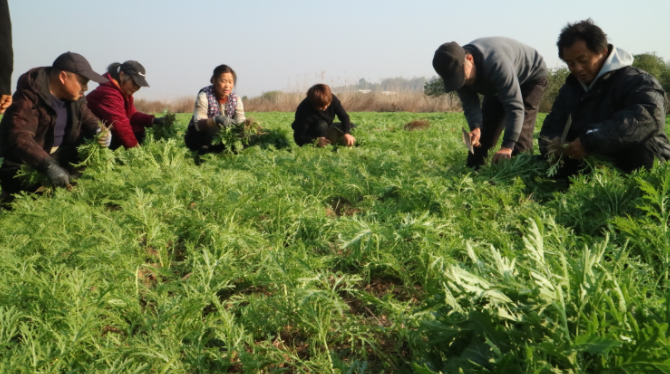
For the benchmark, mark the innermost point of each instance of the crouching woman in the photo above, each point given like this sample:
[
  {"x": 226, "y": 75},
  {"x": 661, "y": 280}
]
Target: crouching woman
[
  {"x": 113, "y": 103},
  {"x": 216, "y": 107},
  {"x": 314, "y": 119}
]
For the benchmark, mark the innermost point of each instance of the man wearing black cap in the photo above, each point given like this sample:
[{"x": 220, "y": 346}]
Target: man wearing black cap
[
  {"x": 46, "y": 122},
  {"x": 113, "y": 103},
  {"x": 511, "y": 76}
]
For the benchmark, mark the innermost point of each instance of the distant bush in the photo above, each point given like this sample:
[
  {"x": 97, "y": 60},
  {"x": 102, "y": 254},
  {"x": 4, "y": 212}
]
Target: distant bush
[
  {"x": 654, "y": 65},
  {"x": 556, "y": 79}
]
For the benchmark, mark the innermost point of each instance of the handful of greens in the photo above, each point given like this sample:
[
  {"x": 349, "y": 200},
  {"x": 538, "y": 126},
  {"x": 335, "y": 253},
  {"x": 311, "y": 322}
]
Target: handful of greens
[
  {"x": 168, "y": 129},
  {"x": 241, "y": 135}
]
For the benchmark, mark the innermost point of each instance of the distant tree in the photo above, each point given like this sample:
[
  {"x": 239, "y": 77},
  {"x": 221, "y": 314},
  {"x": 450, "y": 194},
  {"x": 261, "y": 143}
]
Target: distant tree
[
  {"x": 654, "y": 65},
  {"x": 271, "y": 96},
  {"x": 245, "y": 98},
  {"x": 556, "y": 79},
  {"x": 434, "y": 87}
]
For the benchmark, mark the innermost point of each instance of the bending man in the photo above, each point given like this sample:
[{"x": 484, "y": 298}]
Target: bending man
[{"x": 512, "y": 78}]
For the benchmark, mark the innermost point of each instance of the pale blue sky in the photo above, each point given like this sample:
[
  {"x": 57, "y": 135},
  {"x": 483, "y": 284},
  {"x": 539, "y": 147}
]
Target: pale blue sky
[{"x": 292, "y": 44}]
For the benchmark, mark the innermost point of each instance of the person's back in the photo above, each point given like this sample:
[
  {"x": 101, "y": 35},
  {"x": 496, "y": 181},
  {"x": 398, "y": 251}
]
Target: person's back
[{"x": 502, "y": 59}]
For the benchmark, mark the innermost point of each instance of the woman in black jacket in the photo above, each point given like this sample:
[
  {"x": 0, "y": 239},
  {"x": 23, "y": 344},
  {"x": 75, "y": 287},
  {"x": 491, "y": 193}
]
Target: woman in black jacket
[{"x": 315, "y": 115}]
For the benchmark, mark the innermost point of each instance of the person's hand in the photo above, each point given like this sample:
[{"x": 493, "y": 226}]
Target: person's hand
[
  {"x": 105, "y": 139},
  {"x": 502, "y": 154},
  {"x": 159, "y": 121},
  {"x": 475, "y": 135},
  {"x": 5, "y": 102},
  {"x": 349, "y": 140},
  {"x": 57, "y": 175},
  {"x": 222, "y": 120},
  {"x": 575, "y": 150},
  {"x": 322, "y": 142}
]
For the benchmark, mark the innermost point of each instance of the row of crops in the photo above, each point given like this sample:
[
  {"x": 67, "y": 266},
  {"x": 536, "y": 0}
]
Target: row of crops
[{"x": 387, "y": 257}]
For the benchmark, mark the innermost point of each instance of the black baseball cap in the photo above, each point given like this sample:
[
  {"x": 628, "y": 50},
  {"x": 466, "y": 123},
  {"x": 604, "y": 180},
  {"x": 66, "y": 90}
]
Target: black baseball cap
[
  {"x": 448, "y": 63},
  {"x": 136, "y": 71},
  {"x": 76, "y": 63}
]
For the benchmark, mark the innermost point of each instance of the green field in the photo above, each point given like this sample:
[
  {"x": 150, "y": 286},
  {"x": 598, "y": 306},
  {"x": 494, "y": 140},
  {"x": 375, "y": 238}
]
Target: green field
[{"x": 387, "y": 257}]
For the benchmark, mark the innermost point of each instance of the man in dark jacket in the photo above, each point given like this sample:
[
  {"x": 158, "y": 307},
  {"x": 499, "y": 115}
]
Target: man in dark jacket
[
  {"x": 6, "y": 57},
  {"x": 606, "y": 107},
  {"x": 47, "y": 120},
  {"x": 512, "y": 78}
]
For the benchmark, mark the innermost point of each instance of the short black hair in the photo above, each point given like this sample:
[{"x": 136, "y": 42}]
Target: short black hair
[
  {"x": 222, "y": 69},
  {"x": 594, "y": 37}
]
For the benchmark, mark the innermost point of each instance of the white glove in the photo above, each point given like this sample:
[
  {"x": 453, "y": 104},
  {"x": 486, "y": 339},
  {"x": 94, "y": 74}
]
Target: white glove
[{"x": 105, "y": 140}]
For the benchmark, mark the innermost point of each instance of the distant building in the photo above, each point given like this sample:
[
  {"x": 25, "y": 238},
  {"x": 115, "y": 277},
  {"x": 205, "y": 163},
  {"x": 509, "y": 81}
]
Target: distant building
[
  {"x": 364, "y": 91},
  {"x": 388, "y": 93}
]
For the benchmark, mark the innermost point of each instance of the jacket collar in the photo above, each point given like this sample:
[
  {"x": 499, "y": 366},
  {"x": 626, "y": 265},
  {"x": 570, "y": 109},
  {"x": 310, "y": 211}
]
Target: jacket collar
[{"x": 617, "y": 59}]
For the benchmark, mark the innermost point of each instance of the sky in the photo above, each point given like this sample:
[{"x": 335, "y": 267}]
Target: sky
[{"x": 291, "y": 44}]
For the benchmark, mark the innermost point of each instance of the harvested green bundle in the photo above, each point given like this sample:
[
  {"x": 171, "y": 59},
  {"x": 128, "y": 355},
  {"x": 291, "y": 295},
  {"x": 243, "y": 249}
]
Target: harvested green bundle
[
  {"x": 238, "y": 136},
  {"x": 555, "y": 153},
  {"x": 95, "y": 155},
  {"x": 168, "y": 129},
  {"x": 31, "y": 177}
]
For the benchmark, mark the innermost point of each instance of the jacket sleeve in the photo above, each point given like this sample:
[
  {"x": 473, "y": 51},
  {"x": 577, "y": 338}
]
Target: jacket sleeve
[
  {"x": 471, "y": 108},
  {"x": 300, "y": 127},
  {"x": 200, "y": 107},
  {"x": 341, "y": 114},
  {"x": 23, "y": 123},
  {"x": 504, "y": 78},
  {"x": 556, "y": 120},
  {"x": 6, "y": 51},
  {"x": 239, "y": 111},
  {"x": 642, "y": 115},
  {"x": 110, "y": 108},
  {"x": 89, "y": 122}
]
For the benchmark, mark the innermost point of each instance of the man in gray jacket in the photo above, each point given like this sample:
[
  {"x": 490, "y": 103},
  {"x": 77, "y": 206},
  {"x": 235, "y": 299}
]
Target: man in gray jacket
[
  {"x": 512, "y": 78},
  {"x": 606, "y": 107}
]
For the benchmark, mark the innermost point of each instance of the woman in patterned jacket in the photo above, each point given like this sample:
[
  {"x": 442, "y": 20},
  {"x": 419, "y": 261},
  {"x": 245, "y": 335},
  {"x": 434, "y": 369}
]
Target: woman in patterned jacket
[{"x": 217, "y": 106}]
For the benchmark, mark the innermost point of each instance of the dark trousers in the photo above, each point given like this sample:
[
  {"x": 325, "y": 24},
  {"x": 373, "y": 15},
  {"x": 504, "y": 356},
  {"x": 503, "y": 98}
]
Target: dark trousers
[
  {"x": 318, "y": 130},
  {"x": 201, "y": 141},
  {"x": 493, "y": 114}
]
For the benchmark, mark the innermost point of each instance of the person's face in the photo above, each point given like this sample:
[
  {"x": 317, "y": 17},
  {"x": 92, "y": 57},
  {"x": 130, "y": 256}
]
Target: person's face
[
  {"x": 469, "y": 68},
  {"x": 224, "y": 84},
  {"x": 323, "y": 108},
  {"x": 582, "y": 62},
  {"x": 129, "y": 87},
  {"x": 74, "y": 85}
]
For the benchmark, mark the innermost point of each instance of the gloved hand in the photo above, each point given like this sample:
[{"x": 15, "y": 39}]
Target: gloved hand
[
  {"x": 106, "y": 139},
  {"x": 223, "y": 120},
  {"x": 58, "y": 176},
  {"x": 159, "y": 121}
]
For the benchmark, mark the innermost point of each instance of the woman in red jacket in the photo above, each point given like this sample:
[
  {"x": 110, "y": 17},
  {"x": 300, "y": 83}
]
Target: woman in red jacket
[{"x": 112, "y": 102}]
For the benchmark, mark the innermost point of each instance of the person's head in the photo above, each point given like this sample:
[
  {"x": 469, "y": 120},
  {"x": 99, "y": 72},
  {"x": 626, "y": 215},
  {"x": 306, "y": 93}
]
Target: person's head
[
  {"x": 320, "y": 96},
  {"x": 131, "y": 76},
  {"x": 583, "y": 47},
  {"x": 455, "y": 66},
  {"x": 69, "y": 76},
  {"x": 223, "y": 80}
]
